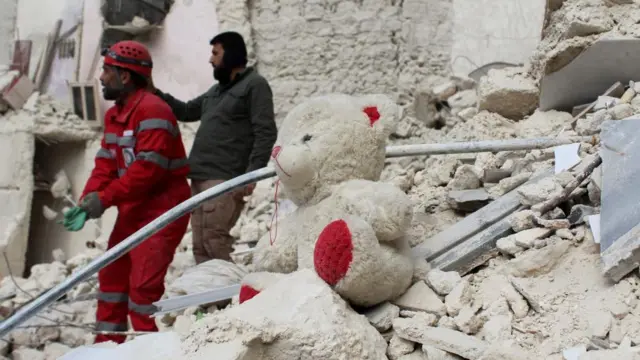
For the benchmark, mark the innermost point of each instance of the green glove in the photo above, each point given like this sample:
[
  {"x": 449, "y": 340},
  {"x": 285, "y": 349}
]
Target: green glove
[{"x": 74, "y": 219}]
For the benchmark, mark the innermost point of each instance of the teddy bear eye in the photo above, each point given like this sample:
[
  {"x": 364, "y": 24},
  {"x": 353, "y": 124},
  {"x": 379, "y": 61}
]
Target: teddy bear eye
[{"x": 306, "y": 138}]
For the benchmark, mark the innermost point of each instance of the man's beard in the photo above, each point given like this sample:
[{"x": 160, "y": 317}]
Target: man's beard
[
  {"x": 113, "y": 94},
  {"x": 110, "y": 93},
  {"x": 222, "y": 74}
]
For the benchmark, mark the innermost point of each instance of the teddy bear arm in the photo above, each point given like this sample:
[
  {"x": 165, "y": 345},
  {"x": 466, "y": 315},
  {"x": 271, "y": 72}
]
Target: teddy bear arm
[
  {"x": 385, "y": 207},
  {"x": 276, "y": 254}
]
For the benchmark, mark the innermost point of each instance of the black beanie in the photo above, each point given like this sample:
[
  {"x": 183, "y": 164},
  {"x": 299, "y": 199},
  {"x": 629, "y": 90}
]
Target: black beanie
[{"x": 235, "y": 50}]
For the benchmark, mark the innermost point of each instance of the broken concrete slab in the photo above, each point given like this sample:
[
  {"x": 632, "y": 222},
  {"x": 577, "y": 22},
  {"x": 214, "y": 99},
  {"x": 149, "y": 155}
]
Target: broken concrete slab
[
  {"x": 538, "y": 261},
  {"x": 620, "y": 216},
  {"x": 508, "y": 92},
  {"x": 421, "y": 297},
  {"x": 468, "y": 200},
  {"x": 381, "y": 316},
  {"x": 590, "y": 74},
  {"x": 285, "y": 316},
  {"x": 481, "y": 220},
  {"x": 448, "y": 340}
]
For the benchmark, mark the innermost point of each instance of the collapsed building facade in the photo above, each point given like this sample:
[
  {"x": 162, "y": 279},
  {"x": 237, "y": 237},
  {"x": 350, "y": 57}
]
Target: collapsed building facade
[{"x": 423, "y": 55}]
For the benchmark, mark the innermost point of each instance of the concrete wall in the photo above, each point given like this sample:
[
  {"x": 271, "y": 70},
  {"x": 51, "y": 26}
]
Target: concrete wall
[
  {"x": 16, "y": 191},
  {"x": 485, "y": 31},
  {"x": 7, "y": 29},
  {"x": 313, "y": 47}
]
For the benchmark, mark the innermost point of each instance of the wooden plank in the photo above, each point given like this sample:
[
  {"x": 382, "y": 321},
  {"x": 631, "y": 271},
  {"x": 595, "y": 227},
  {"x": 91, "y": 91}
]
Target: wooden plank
[
  {"x": 21, "y": 56},
  {"x": 47, "y": 60},
  {"x": 472, "y": 224}
]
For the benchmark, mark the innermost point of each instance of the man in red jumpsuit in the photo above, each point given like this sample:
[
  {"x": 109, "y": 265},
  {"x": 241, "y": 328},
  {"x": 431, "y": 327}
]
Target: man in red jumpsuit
[{"x": 141, "y": 169}]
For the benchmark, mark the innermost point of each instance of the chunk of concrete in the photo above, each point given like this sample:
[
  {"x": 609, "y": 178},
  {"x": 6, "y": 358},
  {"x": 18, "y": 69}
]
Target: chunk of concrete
[
  {"x": 443, "y": 282},
  {"x": 538, "y": 261},
  {"x": 467, "y": 177},
  {"x": 506, "y": 351},
  {"x": 299, "y": 309},
  {"x": 507, "y": 184},
  {"x": 527, "y": 238},
  {"x": 433, "y": 353},
  {"x": 468, "y": 200},
  {"x": 507, "y": 246},
  {"x": 444, "y": 339},
  {"x": 508, "y": 93},
  {"x": 459, "y": 297},
  {"x": 399, "y": 347},
  {"x": 420, "y": 297},
  {"x": 415, "y": 355},
  {"x": 532, "y": 194},
  {"x": 381, "y": 316}
]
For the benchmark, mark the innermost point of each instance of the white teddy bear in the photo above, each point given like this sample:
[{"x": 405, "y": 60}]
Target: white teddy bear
[{"x": 348, "y": 226}]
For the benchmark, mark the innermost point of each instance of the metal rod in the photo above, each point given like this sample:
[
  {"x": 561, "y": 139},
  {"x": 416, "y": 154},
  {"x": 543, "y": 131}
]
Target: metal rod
[
  {"x": 483, "y": 146},
  {"x": 32, "y": 308}
]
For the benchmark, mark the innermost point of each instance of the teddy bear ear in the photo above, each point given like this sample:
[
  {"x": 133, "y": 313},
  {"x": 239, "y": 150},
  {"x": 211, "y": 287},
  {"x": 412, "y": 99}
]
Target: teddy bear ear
[{"x": 383, "y": 113}]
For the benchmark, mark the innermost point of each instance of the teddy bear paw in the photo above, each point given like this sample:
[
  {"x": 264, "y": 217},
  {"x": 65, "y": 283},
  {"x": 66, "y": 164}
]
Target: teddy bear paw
[{"x": 333, "y": 252}]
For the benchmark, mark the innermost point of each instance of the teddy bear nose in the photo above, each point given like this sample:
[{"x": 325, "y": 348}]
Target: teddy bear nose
[{"x": 276, "y": 151}]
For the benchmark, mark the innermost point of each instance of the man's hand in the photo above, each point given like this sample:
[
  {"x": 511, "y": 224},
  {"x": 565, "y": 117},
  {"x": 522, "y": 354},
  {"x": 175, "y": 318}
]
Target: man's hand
[
  {"x": 92, "y": 205},
  {"x": 248, "y": 190}
]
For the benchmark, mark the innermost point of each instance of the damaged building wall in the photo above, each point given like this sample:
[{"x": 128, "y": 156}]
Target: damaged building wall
[
  {"x": 16, "y": 192},
  {"x": 307, "y": 48},
  {"x": 7, "y": 29},
  {"x": 486, "y": 31}
]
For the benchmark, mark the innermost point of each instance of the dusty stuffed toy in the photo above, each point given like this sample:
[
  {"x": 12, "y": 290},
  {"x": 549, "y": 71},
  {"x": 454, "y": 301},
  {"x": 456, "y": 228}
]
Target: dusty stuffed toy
[{"x": 348, "y": 226}]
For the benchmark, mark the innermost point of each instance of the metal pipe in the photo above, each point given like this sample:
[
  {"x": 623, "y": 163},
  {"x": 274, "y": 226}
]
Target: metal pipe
[
  {"x": 483, "y": 146},
  {"x": 32, "y": 308}
]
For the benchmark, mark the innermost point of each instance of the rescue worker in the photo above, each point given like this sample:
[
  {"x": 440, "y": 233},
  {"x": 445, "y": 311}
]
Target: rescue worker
[
  {"x": 236, "y": 135},
  {"x": 141, "y": 169}
]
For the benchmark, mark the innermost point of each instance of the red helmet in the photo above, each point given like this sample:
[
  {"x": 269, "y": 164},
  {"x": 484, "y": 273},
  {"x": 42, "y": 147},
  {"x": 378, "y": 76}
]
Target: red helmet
[{"x": 130, "y": 55}]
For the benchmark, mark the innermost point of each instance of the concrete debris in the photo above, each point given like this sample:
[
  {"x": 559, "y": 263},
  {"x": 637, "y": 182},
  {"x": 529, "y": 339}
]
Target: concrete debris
[
  {"x": 420, "y": 297},
  {"x": 508, "y": 92},
  {"x": 382, "y": 316}
]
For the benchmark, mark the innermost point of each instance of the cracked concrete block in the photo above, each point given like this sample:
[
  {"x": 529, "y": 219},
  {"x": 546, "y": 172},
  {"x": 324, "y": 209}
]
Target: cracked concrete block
[
  {"x": 508, "y": 93},
  {"x": 381, "y": 316},
  {"x": 420, "y": 297},
  {"x": 448, "y": 340},
  {"x": 620, "y": 230}
]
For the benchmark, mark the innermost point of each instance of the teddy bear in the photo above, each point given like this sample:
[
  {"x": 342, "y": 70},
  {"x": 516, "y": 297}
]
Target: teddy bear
[{"x": 348, "y": 227}]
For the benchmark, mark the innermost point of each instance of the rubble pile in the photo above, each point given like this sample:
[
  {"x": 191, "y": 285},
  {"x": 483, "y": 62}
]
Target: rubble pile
[
  {"x": 70, "y": 322},
  {"x": 573, "y": 25}
]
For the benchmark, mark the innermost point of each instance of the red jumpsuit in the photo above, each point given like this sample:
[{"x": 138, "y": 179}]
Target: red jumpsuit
[{"x": 141, "y": 168}]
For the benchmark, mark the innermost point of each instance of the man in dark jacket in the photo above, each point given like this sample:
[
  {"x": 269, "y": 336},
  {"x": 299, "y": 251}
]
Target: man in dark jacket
[{"x": 236, "y": 135}]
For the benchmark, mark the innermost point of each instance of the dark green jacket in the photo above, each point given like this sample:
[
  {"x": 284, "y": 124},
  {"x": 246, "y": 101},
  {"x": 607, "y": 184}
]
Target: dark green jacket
[{"x": 237, "y": 127}]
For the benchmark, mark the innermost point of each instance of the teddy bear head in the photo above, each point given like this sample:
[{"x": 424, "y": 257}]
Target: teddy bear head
[{"x": 331, "y": 139}]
